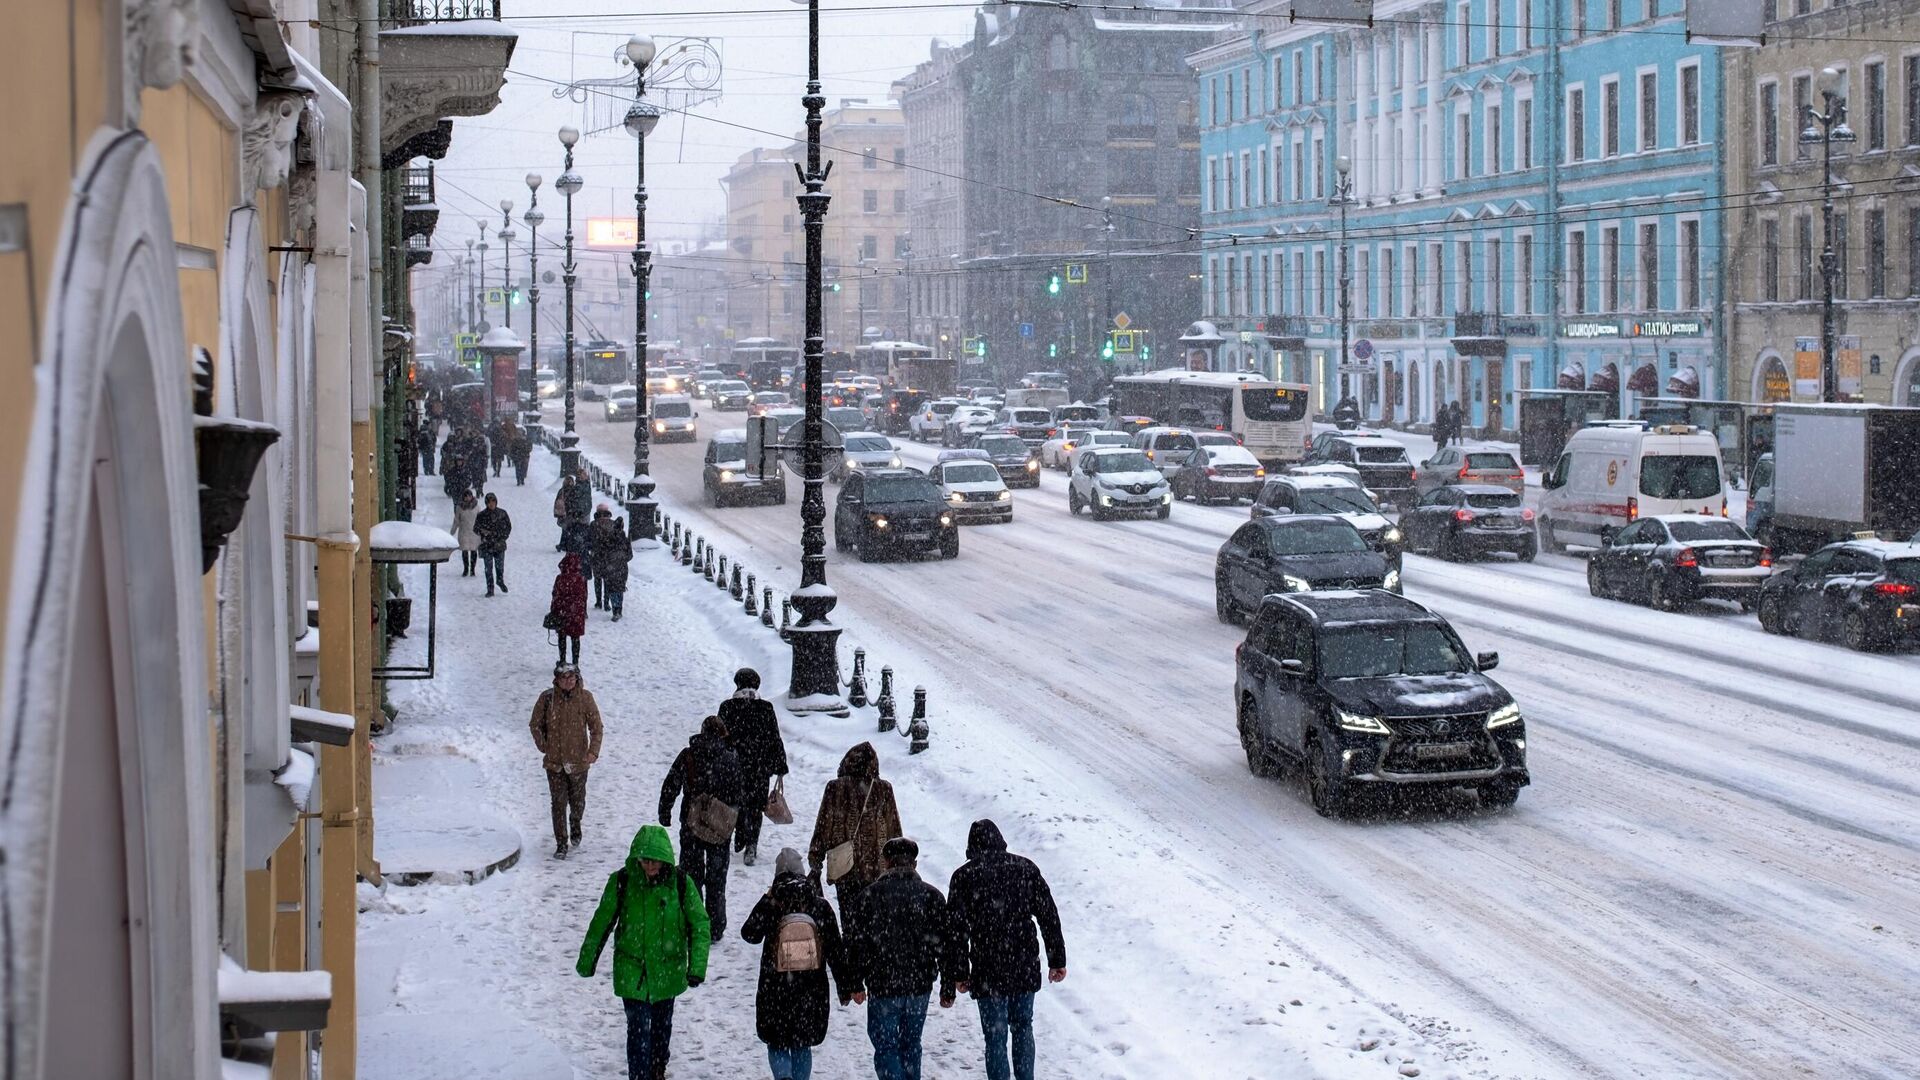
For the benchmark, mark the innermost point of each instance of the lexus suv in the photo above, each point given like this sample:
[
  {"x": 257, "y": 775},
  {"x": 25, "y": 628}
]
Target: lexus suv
[
  {"x": 1368, "y": 692},
  {"x": 883, "y": 511}
]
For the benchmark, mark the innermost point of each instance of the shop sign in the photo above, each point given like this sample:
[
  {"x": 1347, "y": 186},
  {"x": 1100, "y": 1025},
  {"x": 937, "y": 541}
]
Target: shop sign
[
  {"x": 1670, "y": 328},
  {"x": 1806, "y": 366},
  {"x": 1590, "y": 330}
]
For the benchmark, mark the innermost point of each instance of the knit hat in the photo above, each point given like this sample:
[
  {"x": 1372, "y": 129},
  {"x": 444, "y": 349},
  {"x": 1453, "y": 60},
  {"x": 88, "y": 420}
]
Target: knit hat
[
  {"x": 900, "y": 851},
  {"x": 789, "y": 862}
]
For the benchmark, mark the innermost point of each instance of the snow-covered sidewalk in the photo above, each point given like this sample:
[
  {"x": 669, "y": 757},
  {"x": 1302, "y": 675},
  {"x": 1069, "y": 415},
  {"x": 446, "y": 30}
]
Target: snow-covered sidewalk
[{"x": 1167, "y": 978}]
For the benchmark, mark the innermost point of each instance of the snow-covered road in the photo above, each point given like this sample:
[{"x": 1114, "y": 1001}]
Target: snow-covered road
[{"x": 1715, "y": 872}]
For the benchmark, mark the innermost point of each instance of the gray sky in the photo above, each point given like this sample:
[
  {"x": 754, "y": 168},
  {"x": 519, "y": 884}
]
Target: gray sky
[{"x": 763, "y": 45}]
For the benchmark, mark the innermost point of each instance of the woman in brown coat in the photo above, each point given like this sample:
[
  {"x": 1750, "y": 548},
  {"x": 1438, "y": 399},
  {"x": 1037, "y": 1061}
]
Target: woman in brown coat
[{"x": 857, "y": 806}]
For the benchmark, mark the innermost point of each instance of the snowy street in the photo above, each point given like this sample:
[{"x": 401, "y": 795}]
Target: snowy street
[{"x": 1707, "y": 878}]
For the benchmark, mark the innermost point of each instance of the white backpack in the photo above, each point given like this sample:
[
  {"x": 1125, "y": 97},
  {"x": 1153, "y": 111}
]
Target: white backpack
[{"x": 796, "y": 944}]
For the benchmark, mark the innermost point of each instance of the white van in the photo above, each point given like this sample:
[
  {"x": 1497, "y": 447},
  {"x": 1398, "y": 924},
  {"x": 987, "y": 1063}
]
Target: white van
[{"x": 1615, "y": 473}]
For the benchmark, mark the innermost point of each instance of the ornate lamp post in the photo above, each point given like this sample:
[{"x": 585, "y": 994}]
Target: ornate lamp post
[
  {"x": 642, "y": 118},
  {"x": 1343, "y": 198},
  {"x": 1832, "y": 128},
  {"x": 533, "y": 217},
  {"x": 568, "y": 184},
  {"x": 815, "y": 682},
  {"x": 506, "y": 236}
]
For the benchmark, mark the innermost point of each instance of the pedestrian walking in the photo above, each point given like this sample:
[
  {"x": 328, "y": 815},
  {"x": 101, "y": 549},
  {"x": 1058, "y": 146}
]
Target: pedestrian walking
[
  {"x": 993, "y": 903},
  {"x": 754, "y": 730},
  {"x": 566, "y": 730},
  {"x": 497, "y": 444},
  {"x": 857, "y": 816},
  {"x": 613, "y": 555},
  {"x": 520, "y": 451},
  {"x": 568, "y": 612},
  {"x": 560, "y": 511},
  {"x": 580, "y": 499},
  {"x": 897, "y": 940},
  {"x": 603, "y": 539},
  {"x": 1457, "y": 424},
  {"x": 466, "y": 509},
  {"x": 660, "y": 942},
  {"x": 493, "y": 527},
  {"x": 800, "y": 945},
  {"x": 705, "y": 778},
  {"x": 453, "y": 469},
  {"x": 424, "y": 438}
]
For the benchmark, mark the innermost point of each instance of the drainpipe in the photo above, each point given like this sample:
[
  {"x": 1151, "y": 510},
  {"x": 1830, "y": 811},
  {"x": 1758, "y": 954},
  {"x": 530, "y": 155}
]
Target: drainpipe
[{"x": 1556, "y": 250}]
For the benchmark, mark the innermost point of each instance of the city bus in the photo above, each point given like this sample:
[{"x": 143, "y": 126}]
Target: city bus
[
  {"x": 763, "y": 361},
  {"x": 603, "y": 366},
  {"x": 1270, "y": 418},
  {"x": 904, "y": 365}
]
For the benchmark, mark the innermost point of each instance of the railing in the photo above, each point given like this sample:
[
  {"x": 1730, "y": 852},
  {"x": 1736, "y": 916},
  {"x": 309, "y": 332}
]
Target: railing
[
  {"x": 1476, "y": 324},
  {"x": 419, "y": 184},
  {"x": 421, "y": 12}
]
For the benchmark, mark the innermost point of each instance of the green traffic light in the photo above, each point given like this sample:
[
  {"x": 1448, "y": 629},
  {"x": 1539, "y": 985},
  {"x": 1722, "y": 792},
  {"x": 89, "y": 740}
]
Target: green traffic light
[
  {"x": 1106, "y": 351},
  {"x": 1053, "y": 349},
  {"x": 1053, "y": 284}
]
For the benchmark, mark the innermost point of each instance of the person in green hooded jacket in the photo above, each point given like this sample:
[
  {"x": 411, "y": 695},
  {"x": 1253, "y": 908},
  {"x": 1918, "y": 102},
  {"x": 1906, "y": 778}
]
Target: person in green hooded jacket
[{"x": 660, "y": 939}]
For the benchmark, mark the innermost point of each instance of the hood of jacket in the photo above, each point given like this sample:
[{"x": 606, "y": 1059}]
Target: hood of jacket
[
  {"x": 861, "y": 763},
  {"x": 570, "y": 564},
  {"x": 651, "y": 842},
  {"x": 984, "y": 839},
  {"x": 707, "y": 743}
]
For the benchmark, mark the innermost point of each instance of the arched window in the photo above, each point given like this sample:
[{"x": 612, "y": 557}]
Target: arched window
[{"x": 1059, "y": 53}]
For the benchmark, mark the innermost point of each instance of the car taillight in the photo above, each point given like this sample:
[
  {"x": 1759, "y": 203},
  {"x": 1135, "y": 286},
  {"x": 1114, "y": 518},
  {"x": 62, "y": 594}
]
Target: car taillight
[
  {"x": 1766, "y": 556},
  {"x": 1687, "y": 558},
  {"x": 1412, "y": 476},
  {"x": 1526, "y": 515},
  {"x": 1723, "y": 506},
  {"x": 1633, "y": 508},
  {"x": 1051, "y": 432},
  {"x": 1895, "y": 588},
  {"x": 1463, "y": 515},
  {"x": 1211, "y": 471},
  {"x": 1462, "y": 474}
]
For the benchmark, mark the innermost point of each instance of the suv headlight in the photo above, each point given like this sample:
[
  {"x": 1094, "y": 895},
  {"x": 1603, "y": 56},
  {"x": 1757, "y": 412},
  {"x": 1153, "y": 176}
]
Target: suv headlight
[
  {"x": 954, "y": 497},
  {"x": 1371, "y": 725},
  {"x": 894, "y": 464},
  {"x": 879, "y": 521},
  {"x": 659, "y": 426},
  {"x": 1504, "y": 715},
  {"x": 1392, "y": 535},
  {"x": 1005, "y": 495},
  {"x": 1391, "y": 581},
  {"x": 1033, "y": 465},
  {"x": 726, "y": 476},
  {"x": 946, "y": 520},
  {"x": 1296, "y": 584}
]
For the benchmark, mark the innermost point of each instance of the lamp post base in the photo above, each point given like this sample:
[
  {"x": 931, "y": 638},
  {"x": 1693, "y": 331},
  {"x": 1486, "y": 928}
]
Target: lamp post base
[
  {"x": 642, "y": 511},
  {"x": 569, "y": 454},
  {"x": 815, "y": 684}
]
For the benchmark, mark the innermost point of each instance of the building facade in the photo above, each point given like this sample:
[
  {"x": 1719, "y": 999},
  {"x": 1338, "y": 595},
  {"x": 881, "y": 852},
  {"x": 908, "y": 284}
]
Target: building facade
[
  {"x": 1535, "y": 203},
  {"x": 933, "y": 106},
  {"x": 1777, "y": 233}
]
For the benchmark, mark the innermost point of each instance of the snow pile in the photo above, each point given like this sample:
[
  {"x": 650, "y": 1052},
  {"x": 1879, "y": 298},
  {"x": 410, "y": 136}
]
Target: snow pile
[
  {"x": 410, "y": 541},
  {"x": 296, "y": 776}
]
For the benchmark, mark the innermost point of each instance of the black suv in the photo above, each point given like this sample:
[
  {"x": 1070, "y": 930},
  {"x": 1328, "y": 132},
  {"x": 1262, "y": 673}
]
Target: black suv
[
  {"x": 1382, "y": 463},
  {"x": 890, "y": 510},
  {"x": 1017, "y": 461},
  {"x": 1868, "y": 591},
  {"x": 725, "y": 479},
  {"x": 1368, "y": 691},
  {"x": 1294, "y": 553}
]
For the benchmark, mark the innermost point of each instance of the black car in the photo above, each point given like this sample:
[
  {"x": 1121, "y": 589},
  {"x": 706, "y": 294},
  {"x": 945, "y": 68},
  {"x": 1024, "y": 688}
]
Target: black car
[
  {"x": 1382, "y": 463},
  {"x": 1368, "y": 691},
  {"x": 1019, "y": 463},
  {"x": 1677, "y": 558},
  {"x": 893, "y": 510},
  {"x": 1294, "y": 554},
  {"x": 897, "y": 409},
  {"x": 1291, "y": 494},
  {"x": 1470, "y": 519},
  {"x": 1866, "y": 590},
  {"x": 725, "y": 478}
]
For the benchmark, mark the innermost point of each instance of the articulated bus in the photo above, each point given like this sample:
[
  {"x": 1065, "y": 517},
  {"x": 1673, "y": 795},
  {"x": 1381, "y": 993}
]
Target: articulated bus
[
  {"x": 1269, "y": 418},
  {"x": 762, "y": 360}
]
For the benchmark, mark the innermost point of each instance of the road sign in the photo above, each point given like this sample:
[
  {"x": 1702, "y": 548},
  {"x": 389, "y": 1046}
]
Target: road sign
[
  {"x": 1026, "y": 329},
  {"x": 496, "y": 296},
  {"x": 1076, "y": 273},
  {"x": 1122, "y": 321},
  {"x": 466, "y": 341},
  {"x": 1123, "y": 341},
  {"x": 763, "y": 445},
  {"x": 1363, "y": 349}
]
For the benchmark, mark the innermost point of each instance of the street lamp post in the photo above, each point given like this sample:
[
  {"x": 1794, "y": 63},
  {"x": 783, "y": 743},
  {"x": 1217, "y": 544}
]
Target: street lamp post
[
  {"x": 1343, "y": 198},
  {"x": 1832, "y": 128},
  {"x": 815, "y": 682},
  {"x": 568, "y": 184},
  {"x": 641, "y": 119},
  {"x": 506, "y": 236},
  {"x": 533, "y": 217}
]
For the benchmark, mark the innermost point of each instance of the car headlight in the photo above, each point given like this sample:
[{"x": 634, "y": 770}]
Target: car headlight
[
  {"x": 1504, "y": 715},
  {"x": 726, "y": 476},
  {"x": 879, "y": 521},
  {"x": 1372, "y": 725},
  {"x": 1392, "y": 581},
  {"x": 894, "y": 464},
  {"x": 945, "y": 520},
  {"x": 1106, "y": 499},
  {"x": 1005, "y": 495},
  {"x": 1392, "y": 535},
  {"x": 1296, "y": 584},
  {"x": 954, "y": 497},
  {"x": 1167, "y": 498},
  {"x": 660, "y": 426},
  {"x": 1033, "y": 465}
]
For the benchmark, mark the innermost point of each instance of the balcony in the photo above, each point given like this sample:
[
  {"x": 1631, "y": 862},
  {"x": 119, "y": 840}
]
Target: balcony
[
  {"x": 419, "y": 250},
  {"x": 439, "y": 59},
  {"x": 419, "y": 212},
  {"x": 1479, "y": 333}
]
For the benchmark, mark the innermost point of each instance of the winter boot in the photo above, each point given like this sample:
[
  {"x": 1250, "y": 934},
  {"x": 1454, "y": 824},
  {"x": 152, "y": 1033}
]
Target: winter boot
[
  {"x": 576, "y": 834},
  {"x": 751, "y": 853},
  {"x": 503, "y": 585},
  {"x": 560, "y": 851}
]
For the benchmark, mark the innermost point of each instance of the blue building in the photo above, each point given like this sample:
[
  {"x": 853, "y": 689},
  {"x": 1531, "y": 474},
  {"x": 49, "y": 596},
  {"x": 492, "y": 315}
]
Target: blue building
[{"x": 1535, "y": 202}]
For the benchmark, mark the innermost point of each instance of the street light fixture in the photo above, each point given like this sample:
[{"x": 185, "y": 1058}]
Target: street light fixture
[
  {"x": 1827, "y": 128},
  {"x": 1343, "y": 198},
  {"x": 642, "y": 117},
  {"x": 533, "y": 217},
  {"x": 815, "y": 682},
  {"x": 506, "y": 236},
  {"x": 568, "y": 185}
]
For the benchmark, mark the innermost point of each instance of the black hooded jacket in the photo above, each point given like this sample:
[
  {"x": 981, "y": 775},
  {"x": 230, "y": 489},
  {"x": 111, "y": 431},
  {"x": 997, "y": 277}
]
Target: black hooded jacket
[
  {"x": 706, "y": 767},
  {"x": 898, "y": 936},
  {"x": 791, "y": 1008},
  {"x": 993, "y": 902}
]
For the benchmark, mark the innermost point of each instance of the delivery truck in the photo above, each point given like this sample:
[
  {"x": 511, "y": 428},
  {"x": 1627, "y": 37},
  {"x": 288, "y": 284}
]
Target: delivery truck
[{"x": 1837, "y": 471}]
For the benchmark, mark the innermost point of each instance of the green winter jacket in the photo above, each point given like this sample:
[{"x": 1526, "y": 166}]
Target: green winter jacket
[{"x": 659, "y": 929}]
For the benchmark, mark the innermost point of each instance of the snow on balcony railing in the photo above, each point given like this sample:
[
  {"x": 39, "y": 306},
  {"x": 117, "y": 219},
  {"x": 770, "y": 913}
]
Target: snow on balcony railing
[{"x": 422, "y": 12}]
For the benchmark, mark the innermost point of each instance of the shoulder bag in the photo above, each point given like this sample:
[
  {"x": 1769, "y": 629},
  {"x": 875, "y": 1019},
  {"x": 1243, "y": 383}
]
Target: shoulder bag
[{"x": 840, "y": 857}]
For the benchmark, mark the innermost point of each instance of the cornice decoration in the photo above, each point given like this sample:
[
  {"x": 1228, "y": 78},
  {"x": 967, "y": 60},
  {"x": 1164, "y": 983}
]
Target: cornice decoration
[
  {"x": 426, "y": 77},
  {"x": 432, "y": 143},
  {"x": 266, "y": 143},
  {"x": 156, "y": 48}
]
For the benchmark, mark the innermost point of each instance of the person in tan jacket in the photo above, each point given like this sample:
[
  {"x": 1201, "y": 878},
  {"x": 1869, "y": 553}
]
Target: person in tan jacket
[
  {"x": 856, "y": 808},
  {"x": 566, "y": 729}
]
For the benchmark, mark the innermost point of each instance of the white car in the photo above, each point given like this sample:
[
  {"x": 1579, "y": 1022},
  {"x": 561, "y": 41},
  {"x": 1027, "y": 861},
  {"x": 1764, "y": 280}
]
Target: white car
[
  {"x": 1054, "y": 451},
  {"x": 673, "y": 418},
  {"x": 972, "y": 486},
  {"x": 620, "y": 403},
  {"x": 765, "y": 401},
  {"x": 1095, "y": 440},
  {"x": 547, "y": 383},
  {"x": 931, "y": 419},
  {"x": 1113, "y": 480},
  {"x": 967, "y": 421},
  {"x": 704, "y": 379},
  {"x": 866, "y": 450},
  {"x": 729, "y": 395}
]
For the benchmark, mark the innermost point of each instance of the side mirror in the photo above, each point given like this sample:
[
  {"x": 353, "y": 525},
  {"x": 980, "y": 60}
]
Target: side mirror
[
  {"x": 1486, "y": 661},
  {"x": 1294, "y": 667},
  {"x": 1426, "y": 463}
]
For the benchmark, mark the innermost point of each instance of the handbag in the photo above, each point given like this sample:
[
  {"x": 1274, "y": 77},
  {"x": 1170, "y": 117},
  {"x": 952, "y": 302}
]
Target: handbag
[
  {"x": 777, "y": 810},
  {"x": 551, "y": 622},
  {"x": 840, "y": 856},
  {"x": 710, "y": 820}
]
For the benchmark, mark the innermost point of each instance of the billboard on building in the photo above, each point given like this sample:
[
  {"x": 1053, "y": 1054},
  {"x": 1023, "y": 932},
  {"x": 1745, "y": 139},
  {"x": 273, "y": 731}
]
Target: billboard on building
[{"x": 612, "y": 233}]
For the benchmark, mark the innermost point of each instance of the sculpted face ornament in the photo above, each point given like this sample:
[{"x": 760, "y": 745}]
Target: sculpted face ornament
[{"x": 267, "y": 142}]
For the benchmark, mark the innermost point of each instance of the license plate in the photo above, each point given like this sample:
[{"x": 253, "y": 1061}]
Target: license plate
[
  {"x": 1428, "y": 751},
  {"x": 1502, "y": 523},
  {"x": 1727, "y": 560}
]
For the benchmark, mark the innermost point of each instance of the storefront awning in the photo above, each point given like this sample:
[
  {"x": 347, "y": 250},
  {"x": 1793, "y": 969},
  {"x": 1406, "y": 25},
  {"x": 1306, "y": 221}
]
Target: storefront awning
[
  {"x": 1644, "y": 380},
  {"x": 1573, "y": 376},
  {"x": 1605, "y": 379},
  {"x": 1685, "y": 383}
]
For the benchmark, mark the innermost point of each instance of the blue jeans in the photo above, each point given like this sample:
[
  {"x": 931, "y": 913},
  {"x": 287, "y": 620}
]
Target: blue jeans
[
  {"x": 893, "y": 1026},
  {"x": 649, "y": 1031},
  {"x": 495, "y": 563},
  {"x": 1001, "y": 1018},
  {"x": 790, "y": 1062}
]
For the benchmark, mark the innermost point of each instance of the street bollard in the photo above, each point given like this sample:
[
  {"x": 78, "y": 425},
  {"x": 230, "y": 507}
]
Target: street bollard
[
  {"x": 722, "y": 578},
  {"x": 733, "y": 584},
  {"x": 753, "y": 591},
  {"x": 917, "y": 726},
  {"x": 673, "y": 541},
  {"x": 857, "y": 686},
  {"x": 766, "y": 606},
  {"x": 786, "y": 615},
  {"x": 707, "y": 570},
  {"x": 885, "y": 701},
  {"x": 699, "y": 552}
]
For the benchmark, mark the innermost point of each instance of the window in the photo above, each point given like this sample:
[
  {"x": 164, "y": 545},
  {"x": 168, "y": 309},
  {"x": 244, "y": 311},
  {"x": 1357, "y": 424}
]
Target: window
[
  {"x": 1802, "y": 101},
  {"x": 1496, "y": 284},
  {"x": 1841, "y": 289},
  {"x": 1770, "y": 259},
  {"x": 1523, "y": 135},
  {"x": 1233, "y": 288},
  {"x": 1266, "y": 193},
  {"x": 1493, "y": 27},
  {"x": 1911, "y": 65},
  {"x": 870, "y": 247},
  {"x": 869, "y": 159},
  {"x": 1463, "y": 275},
  {"x": 1364, "y": 275},
  {"x": 1266, "y": 283},
  {"x": 1690, "y": 104},
  {"x": 899, "y": 157},
  {"x": 1410, "y": 266},
  {"x": 1246, "y": 179},
  {"x": 1246, "y": 92},
  {"x": 1526, "y": 25},
  {"x": 1463, "y": 145},
  {"x": 1769, "y": 126},
  {"x": 1913, "y": 252},
  {"x": 1576, "y": 124},
  {"x": 1577, "y": 270},
  {"x": 900, "y": 201},
  {"x": 1610, "y": 118},
  {"x": 1228, "y": 116},
  {"x": 1610, "y": 269},
  {"x": 1493, "y": 134},
  {"x": 1274, "y": 86},
  {"x": 1299, "y": 170},
  {"x": 1438, "y": 307},
  {"x": 1690, "y": 264},
  {"x": 1299, "y": 77},
  {"x": 1389, "y": 284},
  {"x": 1876, "y": 252},
  {"x": 1614, "y": 21},
  {"x": 1323, "y": 302},
  {"x": 1460, "y": 24},
  {"x": 1875, "y": 75},
  {"x": 869, "y": 201},
  {"x": 1650, "y": 266},
  {"x": 1803, "y": 255},
  {"x": 1579, "y": 18},
  {"x": 902, "y": 246},
  {"x": 1649, "y": 110},
  {"x": 1523, "y": 275},
  {"x": 1299, "y": 283},
  {"x": 1319, "y": 168}
]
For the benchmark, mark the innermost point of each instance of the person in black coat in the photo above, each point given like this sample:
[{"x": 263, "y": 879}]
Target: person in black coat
[
  {"x": 898, "y": 946},
  {"x": 604, "y": 541},
  {"x": 520, "y": 452},
  {"x": 993, "y": 902},
  {"x": 706, "y": 768},
  {"x": 790, "y": 1007},
  {"x": 754, "y": 731},
  {"x": 494, "y": 526}
]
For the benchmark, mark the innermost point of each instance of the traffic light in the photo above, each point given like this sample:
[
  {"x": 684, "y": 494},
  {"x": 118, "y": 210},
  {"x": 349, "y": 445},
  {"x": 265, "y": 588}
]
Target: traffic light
[
  {"x": 1146, "y": 352},
  {"x": 1053, "y": 350},
  {"x": 835, "y": 287},
  {"x": 514, "y": 297},
  {"x": 1053, "y": 283},
  {"x": 649, "y": 294},
  {"x": 1106, "y": 350}
]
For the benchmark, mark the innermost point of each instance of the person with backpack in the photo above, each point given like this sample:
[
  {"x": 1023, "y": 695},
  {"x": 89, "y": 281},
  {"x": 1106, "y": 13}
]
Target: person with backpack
[
  {"x": 897, "y": 941},
  {"x": 993, "y": 902},
  {"x": 857, "y": 816},
  {"x": 802, "y": 945},
  {"x": 754, "y": 731},
  {"x": 568, "y": 613},
  {"x": 493, "y": 526},
  {"x": 705, "y": 778},
  {"x": 660, "y": 942},
  {"x": 566, "y": 730}
]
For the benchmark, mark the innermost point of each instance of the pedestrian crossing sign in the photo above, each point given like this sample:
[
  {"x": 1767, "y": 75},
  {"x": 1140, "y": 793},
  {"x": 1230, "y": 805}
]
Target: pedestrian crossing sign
[
  {"x": 1076, "y": 273},
  {"x": 496, "y": 296},
  {"x": 1123, "y": 341}
]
